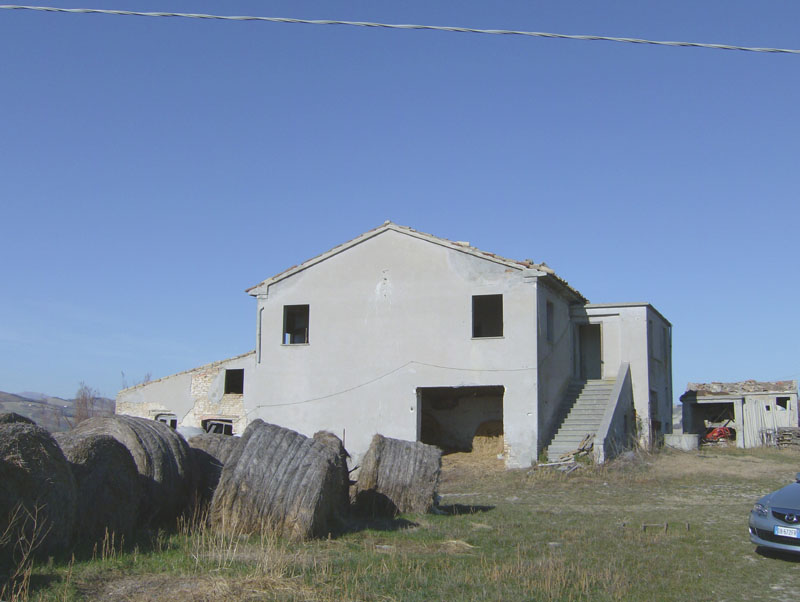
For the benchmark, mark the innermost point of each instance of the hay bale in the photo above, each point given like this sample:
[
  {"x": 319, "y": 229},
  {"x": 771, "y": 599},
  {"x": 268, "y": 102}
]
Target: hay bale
[
  {"x": 279, "y": 480},
  {"x": 397, "y": 477},
  {"x": 163, "y": 459},
  {"x": 14, "y": 418},
  {"x": 334, "y": 443},
  {"x": 488, "y": 439},
  {"x": 108, "y": 486},
  {"x": 210, "y": 452},
  {"x": 37, "y": 487}
]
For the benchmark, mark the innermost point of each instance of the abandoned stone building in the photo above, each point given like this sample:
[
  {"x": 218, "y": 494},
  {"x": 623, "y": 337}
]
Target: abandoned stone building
[
  {"x": 752, "y": 410},
  {"x": 416, "y": 337}
]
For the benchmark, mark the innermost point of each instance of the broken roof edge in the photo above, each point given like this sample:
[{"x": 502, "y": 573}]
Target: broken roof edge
[
  {"x": 738, "y": 389},
  {"x": 189, "y": 371},
  {"x": 459, "y": 246}
]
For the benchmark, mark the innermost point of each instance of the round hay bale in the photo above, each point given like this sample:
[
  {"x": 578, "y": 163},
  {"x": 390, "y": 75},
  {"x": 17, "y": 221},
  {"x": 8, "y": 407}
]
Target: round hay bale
[
  {"x": 163, "y": 460},
  {"x": 108, "y": 485},
  {"x": 397, "y": 477},
  {"x": 488, "y": 439},
  {"x": 37, "y": 491},
  {"x": 14, "y": 418},
  {"x": 210, "y": 451},
  {"x": 335, "y": 444},
  {"x": 281, "y": 481}
]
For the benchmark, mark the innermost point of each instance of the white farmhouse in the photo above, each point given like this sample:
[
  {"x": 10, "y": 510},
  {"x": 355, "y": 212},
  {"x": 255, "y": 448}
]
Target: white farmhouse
[{"x": 420, "y": 338}]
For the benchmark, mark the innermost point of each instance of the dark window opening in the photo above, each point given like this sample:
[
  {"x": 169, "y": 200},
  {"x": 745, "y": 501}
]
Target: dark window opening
[
  {"x": 169, "y": 419},
  {"x": 234, "y": 381},
  {"x": 295, "y": 324},
  {"x": 218, "y": 426},
  {"x": 462, "y": 419},
  {"x": 550, "y": 310},
  {"x": 487, "y": 316},
  {"x": 782, "y": 402}
]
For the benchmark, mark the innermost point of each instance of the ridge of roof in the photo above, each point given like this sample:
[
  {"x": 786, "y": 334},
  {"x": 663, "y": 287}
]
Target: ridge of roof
[{"x": 464, "y": 247}]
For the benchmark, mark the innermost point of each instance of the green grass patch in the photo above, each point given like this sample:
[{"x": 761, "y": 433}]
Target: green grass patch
[{"x": 507, "y": 535}]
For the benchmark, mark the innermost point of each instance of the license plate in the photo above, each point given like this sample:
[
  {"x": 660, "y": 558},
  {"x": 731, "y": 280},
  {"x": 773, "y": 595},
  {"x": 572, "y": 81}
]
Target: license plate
[{"x": 787, "y": 532}]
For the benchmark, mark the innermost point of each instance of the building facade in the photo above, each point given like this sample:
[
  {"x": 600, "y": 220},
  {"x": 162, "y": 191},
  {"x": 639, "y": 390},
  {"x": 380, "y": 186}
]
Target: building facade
[{"x": 416, "y": 337}]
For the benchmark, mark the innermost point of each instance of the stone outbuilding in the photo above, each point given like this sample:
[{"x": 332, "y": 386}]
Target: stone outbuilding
[
  {"x": 753, "y": 410},
  {"x": 420, "y": 338}
]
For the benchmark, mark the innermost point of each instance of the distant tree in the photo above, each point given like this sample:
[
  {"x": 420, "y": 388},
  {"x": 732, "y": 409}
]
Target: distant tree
[
  {"x": 86, "y": 403},
  {"x": 145, "y": 379}
]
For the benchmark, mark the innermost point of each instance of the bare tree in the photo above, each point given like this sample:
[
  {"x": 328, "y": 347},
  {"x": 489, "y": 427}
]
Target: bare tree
[{"x": 86, "y": 402}]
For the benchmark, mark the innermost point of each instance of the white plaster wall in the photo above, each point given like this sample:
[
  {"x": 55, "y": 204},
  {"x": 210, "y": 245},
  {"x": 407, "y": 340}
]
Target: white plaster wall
[
  {"x": 625, "y": 339},
  {"x": 555, "y": 360},
  {"x": 388, "y": 315}
]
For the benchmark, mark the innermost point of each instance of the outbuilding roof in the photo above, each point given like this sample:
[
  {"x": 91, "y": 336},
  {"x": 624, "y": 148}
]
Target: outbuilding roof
[
  {"x": 739, "y": 388},
  {"x": 463, "y": 247}
]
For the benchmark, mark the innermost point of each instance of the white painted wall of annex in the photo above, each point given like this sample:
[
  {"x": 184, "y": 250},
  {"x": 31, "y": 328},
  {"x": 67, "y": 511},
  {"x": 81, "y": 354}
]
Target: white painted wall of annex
[
  {"x": 625, "y": 339},
  {"x": 388, "y": 315}
]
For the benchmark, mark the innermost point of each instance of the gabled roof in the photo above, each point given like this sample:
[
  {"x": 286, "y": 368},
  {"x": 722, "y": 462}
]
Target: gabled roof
[{"x": 462, "y": 247}]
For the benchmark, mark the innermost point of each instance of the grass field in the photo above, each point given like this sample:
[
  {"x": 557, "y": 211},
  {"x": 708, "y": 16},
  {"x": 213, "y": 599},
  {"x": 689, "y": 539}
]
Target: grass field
[{"x": 506, "y": 535}]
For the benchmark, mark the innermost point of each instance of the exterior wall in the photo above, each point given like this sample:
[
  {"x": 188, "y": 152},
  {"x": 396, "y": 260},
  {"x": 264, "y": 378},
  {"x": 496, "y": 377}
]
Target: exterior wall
[
  {"x": 659, "y": 337},
  {"x": 555, "y": 361},
  {"x": 624, "y": 338},
  {"x": 389, "y": 315},
  {"x": 193, "y": 396}
]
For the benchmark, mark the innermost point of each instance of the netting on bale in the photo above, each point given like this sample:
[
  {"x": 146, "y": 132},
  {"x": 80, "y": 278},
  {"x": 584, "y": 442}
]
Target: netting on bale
[
  {"x": 397, "y": 477},
  {"x": 280, "y": 481},
  {"x": 211, "y": 452},
  {"x": 37, "y": 492},
  {"x": 163, "y": 460},
  {"x": 108, "y": 485}
]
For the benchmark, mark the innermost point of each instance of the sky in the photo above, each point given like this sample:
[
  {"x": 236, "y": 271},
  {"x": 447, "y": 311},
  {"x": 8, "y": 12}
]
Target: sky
[{"x": 152, "y": 169}]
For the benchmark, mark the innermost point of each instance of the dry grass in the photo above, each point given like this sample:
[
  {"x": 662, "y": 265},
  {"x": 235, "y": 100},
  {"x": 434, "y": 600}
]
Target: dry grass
[{"x": 532, "y": 534}]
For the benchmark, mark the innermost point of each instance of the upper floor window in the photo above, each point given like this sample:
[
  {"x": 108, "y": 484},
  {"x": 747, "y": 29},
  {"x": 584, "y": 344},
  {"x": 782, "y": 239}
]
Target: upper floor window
[
  {"x": 234, "y": 381},
  {"x": 487, "y": 316},
  {"x": 295, "y": 324}
]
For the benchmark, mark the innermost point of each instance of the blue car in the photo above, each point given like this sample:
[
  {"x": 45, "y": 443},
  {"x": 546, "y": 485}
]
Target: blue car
[{"x": 775, "y": 519}]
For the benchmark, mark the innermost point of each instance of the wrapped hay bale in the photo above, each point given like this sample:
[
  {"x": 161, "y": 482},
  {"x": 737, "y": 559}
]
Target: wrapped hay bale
[
  {"x": 13, "y": 418},
  {"x": 37, "y": 492},
  {"x": 162, "y": 457},
  {"x": 108, "y": 485},
  {"x": 334, "y": 443},
  {"x": 280, "y": 481},
  {"x": 397, "y": 477},
  {"x": 210, "y": 452}
]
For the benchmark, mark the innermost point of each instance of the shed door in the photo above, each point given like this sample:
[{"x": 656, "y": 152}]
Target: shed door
[{"x": 591, "y": 362}]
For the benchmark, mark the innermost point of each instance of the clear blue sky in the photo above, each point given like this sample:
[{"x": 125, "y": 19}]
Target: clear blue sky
[{"x": 152, "y": 169}]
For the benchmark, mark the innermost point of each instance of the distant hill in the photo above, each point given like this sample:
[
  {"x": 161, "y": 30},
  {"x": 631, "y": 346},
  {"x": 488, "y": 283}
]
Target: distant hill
[{"x": 53, "y": 413}]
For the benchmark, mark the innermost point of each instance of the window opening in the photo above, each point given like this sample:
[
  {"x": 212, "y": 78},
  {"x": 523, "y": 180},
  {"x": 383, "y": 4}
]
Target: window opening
[
  {"x": 782, "y": 402},
  {"x": 550, "y": 322},
  {"x": 169, "y": 419},
  {"x": 234, "y": 381},
  {"x": 218, "y": 426},
  {"x": 487, "y": 316},
  {"x": 295, "y": 324}
]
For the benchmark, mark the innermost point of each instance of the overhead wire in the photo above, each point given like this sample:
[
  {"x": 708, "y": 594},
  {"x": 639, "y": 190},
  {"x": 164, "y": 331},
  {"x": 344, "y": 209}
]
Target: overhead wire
[
  {"x": 507, "y": 32},
  {"x": 382, "y": 376}
]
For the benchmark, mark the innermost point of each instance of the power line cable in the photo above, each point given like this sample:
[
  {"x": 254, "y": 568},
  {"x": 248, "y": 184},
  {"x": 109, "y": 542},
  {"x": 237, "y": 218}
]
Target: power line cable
[
  {"x": 534, "y": 34},
  {"x": 381, "y": 377}
]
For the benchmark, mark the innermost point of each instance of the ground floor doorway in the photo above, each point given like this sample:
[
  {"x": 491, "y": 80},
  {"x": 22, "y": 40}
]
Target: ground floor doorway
[{"x": 462, "y": 419}]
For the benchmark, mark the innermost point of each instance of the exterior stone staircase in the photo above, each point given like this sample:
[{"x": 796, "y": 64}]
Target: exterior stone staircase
[{"x": 589, "y": 400}]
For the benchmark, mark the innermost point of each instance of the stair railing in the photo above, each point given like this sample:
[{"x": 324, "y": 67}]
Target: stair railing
[{"x": 611, "y": 436}]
